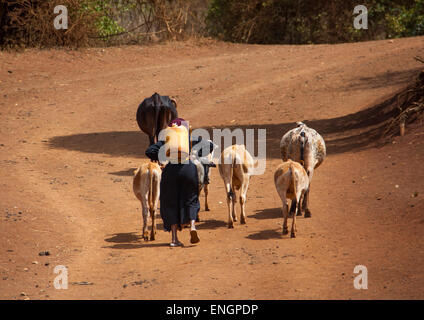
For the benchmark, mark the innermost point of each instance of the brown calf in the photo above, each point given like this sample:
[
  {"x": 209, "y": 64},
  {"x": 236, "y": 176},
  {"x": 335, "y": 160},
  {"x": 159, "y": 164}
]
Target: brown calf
[
  {"x": 235, "y": 167},
  {"x": 291, "y": 182},
  {"x": 146, "y": 186}
]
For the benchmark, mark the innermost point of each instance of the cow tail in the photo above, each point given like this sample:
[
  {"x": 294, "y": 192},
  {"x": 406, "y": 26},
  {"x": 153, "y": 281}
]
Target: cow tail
[
  {"x": 157, "y": 126},
  {"x": 294, "y": 181},
  {"x": 231, "y": 194},
  {"x": 150, "y": 197},
  {"x": 302, "y": 148}
]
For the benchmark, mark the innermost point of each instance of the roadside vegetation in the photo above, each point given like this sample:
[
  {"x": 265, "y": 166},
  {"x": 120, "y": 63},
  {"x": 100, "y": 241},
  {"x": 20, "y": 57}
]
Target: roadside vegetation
[{"x": 29, "y": 23}]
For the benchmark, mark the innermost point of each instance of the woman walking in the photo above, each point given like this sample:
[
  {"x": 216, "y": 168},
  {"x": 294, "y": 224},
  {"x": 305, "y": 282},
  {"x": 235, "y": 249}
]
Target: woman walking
[{"x": 179, "y": 190}]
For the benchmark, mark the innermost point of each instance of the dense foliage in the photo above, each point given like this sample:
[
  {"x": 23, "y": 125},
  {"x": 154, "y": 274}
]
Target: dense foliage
[
  {"x": 312, "y": 21},
  {"x": 93, "y": 22}
]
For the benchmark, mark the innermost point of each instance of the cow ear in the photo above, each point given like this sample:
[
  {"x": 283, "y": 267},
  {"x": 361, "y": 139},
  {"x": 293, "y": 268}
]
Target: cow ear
[{"x": 174, "y": 102}]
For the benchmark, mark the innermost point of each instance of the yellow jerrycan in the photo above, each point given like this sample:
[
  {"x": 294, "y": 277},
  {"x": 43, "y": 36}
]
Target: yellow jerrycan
[{"x": 177, "y": 143}]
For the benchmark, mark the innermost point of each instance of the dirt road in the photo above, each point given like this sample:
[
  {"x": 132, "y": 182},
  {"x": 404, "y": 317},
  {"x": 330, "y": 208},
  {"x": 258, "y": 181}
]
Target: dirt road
[{"x": 69, "y": 144}]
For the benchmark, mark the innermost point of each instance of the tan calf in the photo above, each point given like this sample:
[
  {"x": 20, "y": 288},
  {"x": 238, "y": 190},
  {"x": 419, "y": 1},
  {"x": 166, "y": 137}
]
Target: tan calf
[
  {"x": 235, "y": 167},
  {"x": 291, "y": 182},
  {"x": 146, "y": 186}
]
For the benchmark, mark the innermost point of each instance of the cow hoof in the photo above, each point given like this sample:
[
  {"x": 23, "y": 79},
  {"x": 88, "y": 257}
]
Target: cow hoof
[
  {"x": 231, "y": 226},
  {"x": 285, "y": 231},
  {"x": 292, "y": 235},
  {"x": 207, "y": 209},
  {"x": 308, "y": 214},
  {"x": 299, "y": 214},
  {"x": 152, "y": 237},
  {"x": 243, "y": 221},
  {"x": 146, "y": 236}
]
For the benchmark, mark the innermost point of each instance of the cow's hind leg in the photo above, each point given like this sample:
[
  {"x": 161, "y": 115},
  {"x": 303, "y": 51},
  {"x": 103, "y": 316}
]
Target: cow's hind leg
[
  {"x": 243, "y": 196},
  {"x": 285, "y": 215},
  {"x": 305, "y": 204},
  {"x": 145, "y": 212},
  {"x": 242, "y": 212},
  {"x": 206, "y": 189},
  {"x": 233, "y": 210},
  {"x": 230, "y": 203},
  {"x": 293, "y": 228},
  {"x": 293, "y": 207},
  {"x": 308, "y": 213},
  {"x": 298, "y": 204},
  {"x": 153, "y": 218}
]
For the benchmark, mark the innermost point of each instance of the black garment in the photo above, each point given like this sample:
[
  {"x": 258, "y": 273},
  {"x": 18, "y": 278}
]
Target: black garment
[
  {"x": 152, "y": 152},
  {"x": 179, "y": 189},
  {"x": 179, "y": 194}
]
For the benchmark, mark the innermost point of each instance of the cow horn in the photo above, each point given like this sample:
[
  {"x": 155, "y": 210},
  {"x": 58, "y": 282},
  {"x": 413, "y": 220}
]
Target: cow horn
[{"x": 174, "y": 102}]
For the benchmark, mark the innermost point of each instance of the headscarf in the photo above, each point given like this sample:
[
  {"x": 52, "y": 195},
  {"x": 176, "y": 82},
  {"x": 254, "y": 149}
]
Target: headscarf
[{"x": 179, "y": 122}]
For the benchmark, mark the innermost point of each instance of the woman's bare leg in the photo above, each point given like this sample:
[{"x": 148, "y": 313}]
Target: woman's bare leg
[{"x": 175, "y": 242}]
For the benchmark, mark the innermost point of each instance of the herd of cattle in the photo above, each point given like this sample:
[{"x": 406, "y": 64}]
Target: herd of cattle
[{"x": 302, "y": 151}]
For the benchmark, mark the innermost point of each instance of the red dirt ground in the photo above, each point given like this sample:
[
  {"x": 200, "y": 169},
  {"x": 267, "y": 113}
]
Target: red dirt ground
[{"x": 69, "y": 144}]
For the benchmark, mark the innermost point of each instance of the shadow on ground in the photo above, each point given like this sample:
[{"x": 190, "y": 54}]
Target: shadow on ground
[
  {"x": 124, "y": 173},
  {"x": 115, "y": 143},
  {"x": 269, "y": 213},
  {"x": 383, "y": 80},
  {"x": 211, "y": 224},
  {"x": 266, "y": 234},
  {"x": 131, "y": 240},
  {"x": 353, "y": 132}
]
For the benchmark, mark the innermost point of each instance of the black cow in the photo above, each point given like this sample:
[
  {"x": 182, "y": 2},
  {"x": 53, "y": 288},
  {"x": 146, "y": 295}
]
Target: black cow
[{"x": 154, "y": 114}]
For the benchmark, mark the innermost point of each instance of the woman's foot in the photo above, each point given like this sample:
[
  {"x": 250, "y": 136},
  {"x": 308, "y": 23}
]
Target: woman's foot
[
  {"x": 176, "y": 244},
  {"x": 194, "y": 236}
]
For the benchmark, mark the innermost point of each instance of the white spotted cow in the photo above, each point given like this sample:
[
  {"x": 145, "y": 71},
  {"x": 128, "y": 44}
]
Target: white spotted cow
[{"x": 306, "y": 146}]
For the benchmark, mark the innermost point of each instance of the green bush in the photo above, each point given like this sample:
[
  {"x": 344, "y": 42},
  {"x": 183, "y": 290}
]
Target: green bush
[
  {"x": 311, "y": 21},
  {"x": 104, "y": 22},
  {"x": 405, "y": 21}
]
